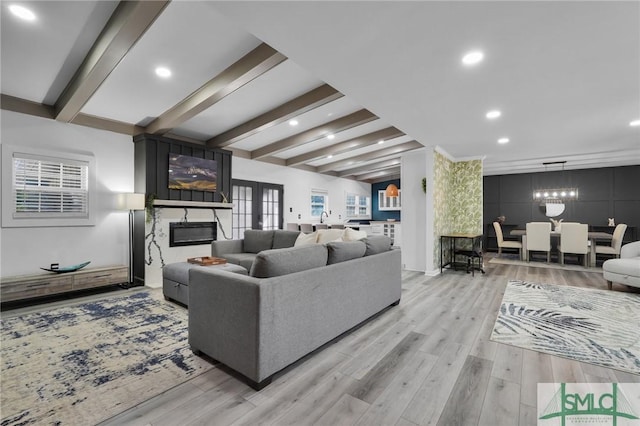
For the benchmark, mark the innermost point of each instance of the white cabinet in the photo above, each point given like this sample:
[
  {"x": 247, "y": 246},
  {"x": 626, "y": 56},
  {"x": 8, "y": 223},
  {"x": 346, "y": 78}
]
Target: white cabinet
[
  {"x": 393, "y": 231},
  {"x": 389, "y": 203}
]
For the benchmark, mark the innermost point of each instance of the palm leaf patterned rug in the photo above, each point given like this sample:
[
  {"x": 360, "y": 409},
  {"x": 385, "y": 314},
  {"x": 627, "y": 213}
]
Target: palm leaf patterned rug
[
  {"x": 588, "y": 325},
  {"x": 81, "y": 364}
]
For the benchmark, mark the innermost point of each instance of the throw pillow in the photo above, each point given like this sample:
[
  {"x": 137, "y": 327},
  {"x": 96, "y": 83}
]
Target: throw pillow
[
  {"x": 306, "y": 239},
  {"x": 345, "y": 250},
  {"x": 377, "y": 244},
  {"x": 327, "y": 235},
  {"x": 353, "y": 235}
]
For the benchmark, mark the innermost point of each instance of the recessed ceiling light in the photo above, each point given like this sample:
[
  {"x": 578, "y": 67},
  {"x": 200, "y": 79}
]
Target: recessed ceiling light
[
  {"x": 493, "y": 114},
  {"x": 503, "y": 140},
  {"x": 635, "y": 123},
  {"x": 472, "y": 58},
  {"x": 22, "y": 12},
  {"x": 163, "y": 72},
  {"x": 380, "y": 142},
  {"x": 329, "y": 156},
  {"x": 331, "y": 136},
  {"x": 293, "y": 122}
]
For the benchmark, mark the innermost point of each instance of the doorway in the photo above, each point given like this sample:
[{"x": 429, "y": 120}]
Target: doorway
[{"x": 256, "y": 205}]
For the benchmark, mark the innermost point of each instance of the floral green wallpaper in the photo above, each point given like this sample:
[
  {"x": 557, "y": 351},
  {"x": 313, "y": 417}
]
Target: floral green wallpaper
[{"x": 457, "y": 197}]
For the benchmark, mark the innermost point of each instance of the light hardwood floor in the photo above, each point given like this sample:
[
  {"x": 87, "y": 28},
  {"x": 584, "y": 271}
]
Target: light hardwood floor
[{"x": 428, "y": 361}]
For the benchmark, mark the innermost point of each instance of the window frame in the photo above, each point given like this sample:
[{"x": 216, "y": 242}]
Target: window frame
[
  {"x": 12, "y": 218},
  {"x": 325, "y": 205},
  {"x": 358, "y": 198}
]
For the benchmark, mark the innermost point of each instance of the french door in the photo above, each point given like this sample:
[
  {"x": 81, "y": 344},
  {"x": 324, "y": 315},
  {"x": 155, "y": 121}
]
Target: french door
[{"x": 256, "y": 205}]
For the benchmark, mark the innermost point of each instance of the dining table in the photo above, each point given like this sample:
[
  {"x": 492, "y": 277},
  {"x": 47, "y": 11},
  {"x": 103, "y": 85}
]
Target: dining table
[{"x": 591, "y": 236}]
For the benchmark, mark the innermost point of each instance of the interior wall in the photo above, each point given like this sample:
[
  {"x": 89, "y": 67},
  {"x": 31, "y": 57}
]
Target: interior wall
[
  {"x": 458, "y": 198},
  {"x": 609, "y": 192},
  {"x": 297, "y": 188},
  {"x": 384, "y": 214},
  {"x": 414, "y": 210},
  {"x": 25, "y": 250}
]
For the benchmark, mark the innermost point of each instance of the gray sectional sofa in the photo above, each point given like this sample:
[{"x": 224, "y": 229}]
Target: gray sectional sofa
[{"x": 293, "y": 301}]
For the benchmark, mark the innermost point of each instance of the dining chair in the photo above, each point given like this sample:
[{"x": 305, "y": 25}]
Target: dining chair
[
  {"x": 307, "y": 228},
  {"x": 616, "y": 242},
  {"x": 574, "y": 239},
  {"x": 293, "y": 227},
  {"x": 337, "y": 226},
  {"x": 505, "y": 243},
  {"x": 321, "y": 226},
  {"x": 539, "y": 238}
]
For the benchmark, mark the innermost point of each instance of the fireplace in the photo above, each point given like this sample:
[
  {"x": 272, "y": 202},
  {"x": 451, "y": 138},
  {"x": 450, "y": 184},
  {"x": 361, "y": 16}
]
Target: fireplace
[{"x": 192, "y": 233}]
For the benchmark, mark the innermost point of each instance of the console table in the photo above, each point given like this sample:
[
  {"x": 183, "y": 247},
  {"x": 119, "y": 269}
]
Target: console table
[
  {"x": 46, "y": 284},
  {"x": 474, "y": 253}
]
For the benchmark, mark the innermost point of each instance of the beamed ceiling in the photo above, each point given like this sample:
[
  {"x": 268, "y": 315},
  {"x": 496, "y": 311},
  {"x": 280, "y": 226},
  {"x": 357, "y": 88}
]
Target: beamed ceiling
[{"x": 365, "y": 81}]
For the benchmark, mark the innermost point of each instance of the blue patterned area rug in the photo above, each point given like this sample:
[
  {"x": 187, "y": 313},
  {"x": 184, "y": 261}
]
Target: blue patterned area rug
[
  {"x": 588, "y": 325},
  {"x": 83, "y": 364}
]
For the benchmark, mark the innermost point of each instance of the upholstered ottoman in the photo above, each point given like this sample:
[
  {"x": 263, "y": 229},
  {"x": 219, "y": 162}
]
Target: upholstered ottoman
[{"x": 175, "y": 279}]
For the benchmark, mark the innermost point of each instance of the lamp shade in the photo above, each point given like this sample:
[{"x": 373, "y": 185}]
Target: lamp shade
[
  {"x": 132, "y": 201},
  {"x": 391, "y": 191}
]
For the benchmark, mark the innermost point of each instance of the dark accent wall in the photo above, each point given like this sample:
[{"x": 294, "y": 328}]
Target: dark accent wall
[
  {"x": 385, "y": 214},
  {"x": 152, "y": 168},
  {"x": 603, "y": 193},
  {"x": 151, "y": 177}
]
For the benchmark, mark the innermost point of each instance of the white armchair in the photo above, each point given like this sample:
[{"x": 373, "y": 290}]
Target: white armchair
[{"x": 625, "y": 270}]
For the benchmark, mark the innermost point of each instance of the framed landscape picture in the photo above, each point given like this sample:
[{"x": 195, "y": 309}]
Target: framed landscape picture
[{"x": 192, "y": 173}]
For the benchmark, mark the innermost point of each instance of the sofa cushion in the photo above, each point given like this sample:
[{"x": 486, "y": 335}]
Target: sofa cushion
[
  {"x": 327, "y": 235},
  {"x": 306, "y": 239},
  {"x": 276, "y": 262},
  {"x": 377, "y": 244},
  {"x": 345, "y": 250},
  {"x": 243, "y": 259},
  {"x": 283, "y": 238},
  {"x": 256, "y": 240},
  {"x": 353, "y": 235}
]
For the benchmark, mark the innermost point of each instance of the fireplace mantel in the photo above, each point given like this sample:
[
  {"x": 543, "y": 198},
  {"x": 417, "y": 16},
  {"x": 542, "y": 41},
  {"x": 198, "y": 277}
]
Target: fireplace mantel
[{"x": 192, "y": 204}]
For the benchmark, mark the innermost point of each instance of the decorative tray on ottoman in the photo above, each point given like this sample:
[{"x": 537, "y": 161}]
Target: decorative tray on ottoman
[{"x": 207, "y": 260}]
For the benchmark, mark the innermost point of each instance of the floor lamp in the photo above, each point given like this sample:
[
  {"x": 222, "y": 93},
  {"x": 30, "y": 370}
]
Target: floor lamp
[{"x": 132, "y": 202}]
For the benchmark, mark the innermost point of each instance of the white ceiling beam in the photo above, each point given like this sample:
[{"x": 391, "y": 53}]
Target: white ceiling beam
[
  {"x": 344, "y": 123},
  {"x": 293, "y": 108},
  {"x": 252, "y": 65},
  {"x": 127, "y": 24},
  {"x": 369, "y": 156},
  {"x": 346, "y": 146}
]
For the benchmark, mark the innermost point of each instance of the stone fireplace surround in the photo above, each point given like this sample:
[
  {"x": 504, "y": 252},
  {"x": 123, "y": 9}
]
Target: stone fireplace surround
[{"x": 156, "y": 247}]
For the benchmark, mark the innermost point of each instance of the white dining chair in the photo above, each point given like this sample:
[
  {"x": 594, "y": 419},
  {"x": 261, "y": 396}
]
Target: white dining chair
[
  {"x": 506, "y": 244},
  {"x": 337, "y": 226},
  {"x": 616, "y": 242},
  {"x": 293, "y": 227},
  {"x": 574, "y": 239},
  {"x": 321, "y": 226},
  {"x": 539, "y": 238}
]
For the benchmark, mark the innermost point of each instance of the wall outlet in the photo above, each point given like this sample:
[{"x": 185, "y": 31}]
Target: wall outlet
[
  {"x": 339, "y": 216},
  {"x": 290, "y": 209},
  {"x": 299, "y": 216}
]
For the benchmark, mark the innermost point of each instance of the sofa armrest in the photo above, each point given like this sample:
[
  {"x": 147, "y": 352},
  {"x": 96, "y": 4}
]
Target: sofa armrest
[
  {"x": 630, "y": 250},
  {"x": 222, "y": 247}
]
